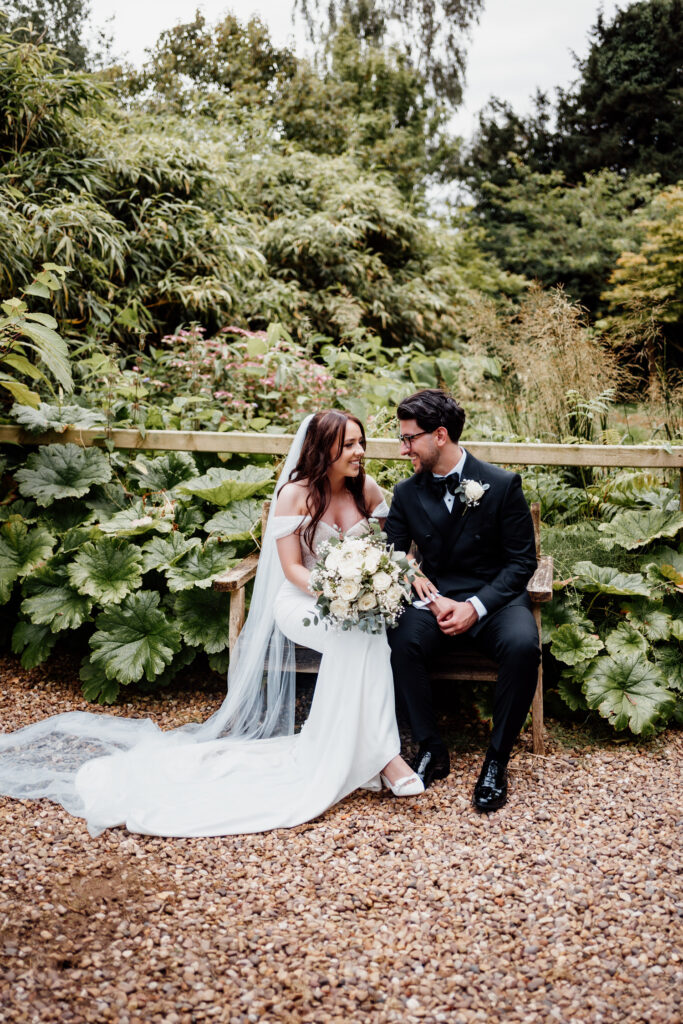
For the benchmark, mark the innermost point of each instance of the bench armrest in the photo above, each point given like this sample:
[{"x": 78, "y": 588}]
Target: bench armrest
[
  {"x": 540, "y": 586},
  {"x": 239, "y": 575}
]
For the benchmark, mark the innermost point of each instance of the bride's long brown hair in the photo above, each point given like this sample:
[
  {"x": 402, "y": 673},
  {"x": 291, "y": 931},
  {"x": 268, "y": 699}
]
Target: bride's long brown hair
[{"x": 323, "y": 445}]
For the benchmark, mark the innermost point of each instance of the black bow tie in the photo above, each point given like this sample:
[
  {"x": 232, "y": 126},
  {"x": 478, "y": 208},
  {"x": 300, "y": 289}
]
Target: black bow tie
[{"x": 440, "y": 486}]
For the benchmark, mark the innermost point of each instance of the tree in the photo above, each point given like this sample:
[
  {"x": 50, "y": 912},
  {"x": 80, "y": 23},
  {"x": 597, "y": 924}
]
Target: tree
[
  {"x": 625, "y": 112},
  {"x": 63, "y": 23},
  {"x": 431, "y": 32}
]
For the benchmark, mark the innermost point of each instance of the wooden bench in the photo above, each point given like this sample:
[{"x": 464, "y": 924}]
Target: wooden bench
[{"x": 471, "y": 665}]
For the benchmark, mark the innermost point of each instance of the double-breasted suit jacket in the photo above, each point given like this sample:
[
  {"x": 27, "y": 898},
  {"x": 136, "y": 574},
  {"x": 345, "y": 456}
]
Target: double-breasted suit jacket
[{"x": 485, "y": 550}]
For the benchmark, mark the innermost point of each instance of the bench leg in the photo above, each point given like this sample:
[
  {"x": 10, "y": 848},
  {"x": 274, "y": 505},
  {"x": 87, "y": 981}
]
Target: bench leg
[
  {"x": 236, "y": 620},
  {"x": 538, "y": 741}
]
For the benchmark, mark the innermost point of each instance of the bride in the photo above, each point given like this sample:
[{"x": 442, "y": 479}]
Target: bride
[{"x": 243, "y": 770}]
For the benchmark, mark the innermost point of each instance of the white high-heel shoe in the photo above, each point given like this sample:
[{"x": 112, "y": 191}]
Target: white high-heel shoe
[{"x": 409, "y": 785}]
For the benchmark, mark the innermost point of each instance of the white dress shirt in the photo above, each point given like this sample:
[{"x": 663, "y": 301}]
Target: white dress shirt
[{"x": 449, "y": 498}]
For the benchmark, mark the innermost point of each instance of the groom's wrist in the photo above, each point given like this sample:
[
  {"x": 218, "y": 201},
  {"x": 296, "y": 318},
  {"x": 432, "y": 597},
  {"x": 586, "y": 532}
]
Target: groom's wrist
[{"x": 478, "y": 606}]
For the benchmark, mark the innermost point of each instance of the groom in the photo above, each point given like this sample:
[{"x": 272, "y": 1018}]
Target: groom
[{"x": 472, "y": 526}]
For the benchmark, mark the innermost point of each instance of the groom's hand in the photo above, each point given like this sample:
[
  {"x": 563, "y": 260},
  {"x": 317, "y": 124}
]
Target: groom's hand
[{"x": 454, "y": 616}]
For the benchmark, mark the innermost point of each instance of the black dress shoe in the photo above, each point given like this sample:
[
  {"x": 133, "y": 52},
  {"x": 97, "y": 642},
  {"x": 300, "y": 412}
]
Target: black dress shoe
[
  {"x": 431, "y": 765},
  {"x": 491, "y": 790}
]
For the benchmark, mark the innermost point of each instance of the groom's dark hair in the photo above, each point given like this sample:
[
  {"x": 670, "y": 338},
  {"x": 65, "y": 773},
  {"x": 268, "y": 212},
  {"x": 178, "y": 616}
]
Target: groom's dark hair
[{"x": 433, "y": 408}]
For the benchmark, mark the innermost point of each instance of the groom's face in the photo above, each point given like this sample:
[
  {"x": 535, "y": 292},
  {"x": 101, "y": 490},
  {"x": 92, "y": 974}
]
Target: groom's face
[{"x": 423, "y": 451}]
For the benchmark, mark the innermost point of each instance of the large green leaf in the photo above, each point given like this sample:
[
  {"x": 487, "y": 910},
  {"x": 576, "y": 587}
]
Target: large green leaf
[
  {"x": 76, "y": 538},
  {"x": 559, "y": 611},
  {"x": 95, "y": 685},
  {"x": 631, "y": 530},
  {"x": 26, "y": 510},
  {"x": 670, "y": 661},
  {"x": 134, "y": 639},
  {"x": 21, "y": 550},
  {"x": 200, "y": 567},
  {"x": 188, "y": 517},
  {"x": 34, "y": 643},
  {"x": 605, "y": 579},
  {"x": 50, "y": 347},
  {"x": 107, "y": 569},
  {"x": 665, "y": 565},
  {"x": 163, "y": 552},
  {"x": 239, "y": 521},
  {"x": 625, "y": 640},
  {"x": 203, "y": 617},
  {"x": 139, "y": 518},
  {"x": 569, "y": 689},
  {"x": 571, "y": 644},
  {"x": 650, "y": 618},
  {"x": 221, "y": 486},
  {"x": 50, "y": 601},
  {"x": 62, "y": 471},
  {"x": 164, "y": 472},
  {"x": 107, "y": 500},
  {"x": 629, "y": 692},
  {"x": 56, "y": 417},
  {"x": 63, "y": 516}
]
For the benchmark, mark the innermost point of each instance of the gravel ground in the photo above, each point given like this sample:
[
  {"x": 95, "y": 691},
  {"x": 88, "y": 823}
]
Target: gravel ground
[{"x": 564, "y": 906}]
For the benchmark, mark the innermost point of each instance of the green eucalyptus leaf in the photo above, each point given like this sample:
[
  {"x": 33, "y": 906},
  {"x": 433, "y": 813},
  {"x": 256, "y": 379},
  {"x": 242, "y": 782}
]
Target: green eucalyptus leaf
[
  {"x": 163, "y": 552},
  {"x": 34, "y": 643},
  {"x": 604, "y": 579},
  {"x": 629, "y": 692},
  {"x": 21, "y": 551},
  {"x": 55, "y": 417},
  {"x": 62, "y": 471},
  {"x": 50, "y": 601},
  {"x": 240, "y": 521},
  {"x": 631, "y": 529},
  {"x": 107, "y": 569},
  {"x": 222, "y": 486},
  {"x": 572, "y": 644},
  {"x": 625, "y": 640},
  {"x": 134, "y": 639},
  {"x": 164, "y": 472},
  {"x": 201, "y": 566}
]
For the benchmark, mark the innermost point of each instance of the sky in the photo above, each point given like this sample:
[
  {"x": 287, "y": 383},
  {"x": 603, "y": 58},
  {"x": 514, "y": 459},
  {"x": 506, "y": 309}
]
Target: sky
[{"x": 517, "y": 46}]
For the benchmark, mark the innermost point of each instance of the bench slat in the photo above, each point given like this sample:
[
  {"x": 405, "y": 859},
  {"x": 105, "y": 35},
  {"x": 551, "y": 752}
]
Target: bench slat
[{"x": 239, "y": 575}]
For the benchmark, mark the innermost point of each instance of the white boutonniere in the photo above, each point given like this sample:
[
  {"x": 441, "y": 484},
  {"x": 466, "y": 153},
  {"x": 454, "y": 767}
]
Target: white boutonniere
[{"x": 471, "y": 492}]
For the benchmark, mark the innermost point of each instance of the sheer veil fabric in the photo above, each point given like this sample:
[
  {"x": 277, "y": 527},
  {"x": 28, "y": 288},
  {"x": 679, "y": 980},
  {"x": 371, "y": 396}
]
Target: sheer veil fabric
[{"x": 243, "y": 770}]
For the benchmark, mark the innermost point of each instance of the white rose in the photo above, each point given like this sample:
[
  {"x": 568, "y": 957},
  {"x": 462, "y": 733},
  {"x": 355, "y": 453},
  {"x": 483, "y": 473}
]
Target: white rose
[
  {"x": 339, "y": 608},
  {"x": 382, "y": 581},
  {"x": 332, "y": 560},
  {"x": 350, "y": 565},
  {"x": 328, "y": 589},
  {"x": 348, "y": 590},
  {"x": 366, "y": 602},
  {"x": 395, "y": 593},
  {"x": 371, "y": 560},
  {"x": 474, "y": 491}
]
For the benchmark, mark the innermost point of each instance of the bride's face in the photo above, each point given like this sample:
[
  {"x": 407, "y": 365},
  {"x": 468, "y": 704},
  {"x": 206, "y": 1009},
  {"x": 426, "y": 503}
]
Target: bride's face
[{"x": 352, "y": 454}]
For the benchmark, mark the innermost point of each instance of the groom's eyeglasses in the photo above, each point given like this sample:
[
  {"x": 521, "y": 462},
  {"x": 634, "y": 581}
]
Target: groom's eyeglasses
[{"x": 407, "y": 439}]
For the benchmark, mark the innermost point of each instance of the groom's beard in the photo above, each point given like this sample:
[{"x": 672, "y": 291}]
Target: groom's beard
[{"x": 425, "y": 463}]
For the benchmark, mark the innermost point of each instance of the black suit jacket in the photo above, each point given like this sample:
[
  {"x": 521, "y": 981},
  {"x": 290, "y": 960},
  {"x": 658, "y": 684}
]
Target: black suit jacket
[{"x": 487, "y": 551}]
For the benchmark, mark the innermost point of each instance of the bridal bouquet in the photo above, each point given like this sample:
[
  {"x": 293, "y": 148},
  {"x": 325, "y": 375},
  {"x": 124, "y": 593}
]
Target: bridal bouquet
[{"x": 361, "y": 582}]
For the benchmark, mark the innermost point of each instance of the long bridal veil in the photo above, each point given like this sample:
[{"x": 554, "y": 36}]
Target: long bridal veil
[{"x": 42, "y": 759}]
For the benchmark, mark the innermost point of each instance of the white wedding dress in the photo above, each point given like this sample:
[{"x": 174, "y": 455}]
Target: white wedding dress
[
  {"x": 230, "y": 786},
  {"x": 244, "y": 769}
]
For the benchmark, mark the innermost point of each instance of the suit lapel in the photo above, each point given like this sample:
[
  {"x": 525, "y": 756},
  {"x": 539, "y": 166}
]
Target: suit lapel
[{"x": 434, "y": 508}]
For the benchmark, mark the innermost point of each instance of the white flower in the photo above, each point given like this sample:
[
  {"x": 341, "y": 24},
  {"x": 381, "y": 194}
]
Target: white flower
[
  {"x": 366, "y": 602},
  {"x": 381, "y": 582},
  {"x": 348, "y": 590},
  {"x": 332, "y": 560},
  {"x": 473, "y": 490},
  {"x": 328, "y": 589},
  {"x": 339, "y": 608},
  {"x": 350, "y": 564},
  {"x": 372, "y": 559},
  {"x": 395, "y": 593}
]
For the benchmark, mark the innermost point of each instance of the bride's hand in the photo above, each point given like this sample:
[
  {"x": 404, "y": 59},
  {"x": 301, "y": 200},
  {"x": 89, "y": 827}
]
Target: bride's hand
[{"x": 424, "y": 588}]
